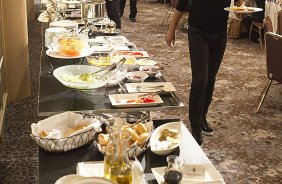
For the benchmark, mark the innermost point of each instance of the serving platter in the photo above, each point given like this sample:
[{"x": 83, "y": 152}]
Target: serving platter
[
  {"x": 146, "y": 62},
  {"x": 130, "y": 100},
  {"x": 243, "y": 9},
  {"x": 211, "y": 176},
  {"x": 149, "y": 87},
  {"x": 55, "y": 54},
  {"x": 136, "y": 54}
]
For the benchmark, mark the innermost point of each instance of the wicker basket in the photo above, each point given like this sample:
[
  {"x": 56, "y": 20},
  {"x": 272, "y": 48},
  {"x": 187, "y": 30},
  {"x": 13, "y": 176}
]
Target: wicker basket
[{"x": 65, "y": 144}]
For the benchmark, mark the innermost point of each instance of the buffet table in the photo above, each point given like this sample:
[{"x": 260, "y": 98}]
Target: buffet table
[
  {"x": 55, "y": 98},
  {"x": 52, "y": 166}
]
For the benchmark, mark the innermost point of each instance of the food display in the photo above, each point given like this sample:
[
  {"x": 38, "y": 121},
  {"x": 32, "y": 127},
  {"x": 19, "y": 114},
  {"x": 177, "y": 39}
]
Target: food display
[
  {"x": 136, "y": 54},
  {"x": 243, "y": 9},
  {"x": 99, "y": 61},
  {"x": 136, "y": 76},
  {"x": 70, "y": 46},
  {"x": 139, "y": 138},
  {"x": 81, "y": 77},
  {"x": 133, "y": 100},
  {"x": 167, "y": 139}
]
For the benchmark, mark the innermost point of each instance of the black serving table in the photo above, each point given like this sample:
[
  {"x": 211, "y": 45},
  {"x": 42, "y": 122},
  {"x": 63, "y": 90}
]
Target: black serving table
[
  {"x": 55, "y": 98},
  {"x": 52, "y": 166}
]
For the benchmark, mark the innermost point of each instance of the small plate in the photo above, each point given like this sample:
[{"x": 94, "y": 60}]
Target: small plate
[
  {"x": 136, "y": 54},
  {"x": 111, "y": 33},
  {"x": 212, "y": 176},
  {"x": 120, "y": 100},
  {"x": 245, "y": 10},
  {"x": 146, "y": 62},
  {"x": 149, "y": 87},
  {"x": 53, "y": 53},
  {"x": 66, "y": 179}
]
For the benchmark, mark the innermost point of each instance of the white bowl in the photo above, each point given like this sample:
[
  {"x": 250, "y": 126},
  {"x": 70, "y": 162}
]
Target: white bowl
[
  {"x": 136, "y": 76},
  {"x": 149, "y": 70},
  {"x": 118, "y": 75},
  {"x": 156, "y": 135},
  {"x": 69, "y": 76}
]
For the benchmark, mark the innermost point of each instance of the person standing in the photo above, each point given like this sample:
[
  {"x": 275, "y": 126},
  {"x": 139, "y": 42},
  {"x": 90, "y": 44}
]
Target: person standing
[
  {"x": 133, "y": 9},
  {"x": 113, "y": 11},
  {"x": 207, "y": 37}
]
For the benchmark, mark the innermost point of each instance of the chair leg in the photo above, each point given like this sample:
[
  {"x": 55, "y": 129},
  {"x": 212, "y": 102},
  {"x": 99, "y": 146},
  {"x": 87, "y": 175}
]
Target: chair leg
[
  {"x": 263, "y": 94},
  {"x": 260, "y": 38},
  {"x": 250, "y": 33},
  {"x": 165, "y": 19}
]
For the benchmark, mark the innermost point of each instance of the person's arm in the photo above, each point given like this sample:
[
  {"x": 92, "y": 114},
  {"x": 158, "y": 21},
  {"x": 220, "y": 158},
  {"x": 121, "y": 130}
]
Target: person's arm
[{"x": 170, "y": 35}]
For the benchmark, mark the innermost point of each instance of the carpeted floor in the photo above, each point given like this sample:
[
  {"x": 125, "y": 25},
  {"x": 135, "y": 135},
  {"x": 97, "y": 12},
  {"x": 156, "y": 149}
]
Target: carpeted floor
[{"x": 246, "y": 147}]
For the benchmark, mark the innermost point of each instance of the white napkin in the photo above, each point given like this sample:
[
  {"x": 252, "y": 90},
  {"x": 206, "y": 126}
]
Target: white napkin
[{"x": 138, "y": 176}]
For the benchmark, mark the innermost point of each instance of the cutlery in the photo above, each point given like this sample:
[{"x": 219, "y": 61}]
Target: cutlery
[
  {"x": 139, "y": 88},
  {"x": 151, "y": 93},
  {"x": 108, "y": 69}
]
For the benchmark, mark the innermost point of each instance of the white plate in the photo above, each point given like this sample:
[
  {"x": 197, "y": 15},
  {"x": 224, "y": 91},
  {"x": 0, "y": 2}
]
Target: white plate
[
  {"x": 66, "y": 179},
  {"x": 53, "y": 53},
  {"x": 117, "y": 40},
  {"x": 71, "y": 2},
  {"x": 212, "y": 176},
  {"x": 91, "y": 180},
  {"x": 145, "y": 87},
  {"x": 136, "y": 54},
  {"x": 156, "y": 135},
  {"x": 120, "y": 100},
  {"x": 247, "y": 10},
  {"x": 146, "y": 62}
]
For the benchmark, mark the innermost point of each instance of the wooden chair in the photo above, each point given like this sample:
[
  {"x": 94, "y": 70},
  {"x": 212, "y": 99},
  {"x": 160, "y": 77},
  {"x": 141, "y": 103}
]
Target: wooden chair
[
  {"x": 273, "y": 45},
  {"x": 257, "y": 27},
  {"x": 268, "y": 24}
]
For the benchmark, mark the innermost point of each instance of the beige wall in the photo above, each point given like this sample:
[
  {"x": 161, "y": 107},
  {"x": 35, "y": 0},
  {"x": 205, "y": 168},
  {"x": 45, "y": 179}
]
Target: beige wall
[
  {"x": 16, "y": 46},
  {"x": 30, "y": 9}
]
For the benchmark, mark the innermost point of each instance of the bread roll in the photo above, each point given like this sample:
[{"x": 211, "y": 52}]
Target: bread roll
[
  {"x": 141, "y": 128},
  {"x": 103, "y": 139},
  {"x": 43, "y": 134},
  {"x": 142, "y": 138},
  {"x": 132, "y": 133}
]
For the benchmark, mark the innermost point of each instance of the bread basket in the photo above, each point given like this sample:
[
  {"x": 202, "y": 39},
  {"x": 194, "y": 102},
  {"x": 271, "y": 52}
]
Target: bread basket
[
  {"x": 56, "y": 128},
  {"x": 134, "y": 150}
]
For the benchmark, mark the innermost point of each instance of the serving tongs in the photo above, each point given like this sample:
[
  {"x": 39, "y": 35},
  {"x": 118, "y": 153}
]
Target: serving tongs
[
  {"x": 151, "y": 93},
  {"x": 140, "y": 88},
  {"x": 108, "y": 69}
]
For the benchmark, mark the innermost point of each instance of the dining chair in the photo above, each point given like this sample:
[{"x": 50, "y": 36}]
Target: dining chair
[
  {"x": 183, "y": 19},
  {"x": 280, "y": 22},
  {"x": 273, "y": 46},
  {"x": 268, "y": 27},
  {"x": 257, "y": 27}
]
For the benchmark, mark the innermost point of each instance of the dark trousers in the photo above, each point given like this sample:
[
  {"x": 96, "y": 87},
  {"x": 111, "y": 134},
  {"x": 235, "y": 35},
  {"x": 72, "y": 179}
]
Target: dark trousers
[
  {"x": 133, "y": 8},
  {"x": 206, "y": 53},
  {"x": 113, "y": 11}
]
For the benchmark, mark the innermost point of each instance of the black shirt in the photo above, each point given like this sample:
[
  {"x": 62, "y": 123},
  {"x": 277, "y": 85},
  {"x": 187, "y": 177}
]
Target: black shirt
[{"x": 207, "y": 15}]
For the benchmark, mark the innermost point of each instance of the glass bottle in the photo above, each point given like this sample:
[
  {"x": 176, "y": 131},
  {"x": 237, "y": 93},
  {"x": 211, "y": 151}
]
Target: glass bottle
[
  {"x": 114, "y": 127},
  {"x": 120, "y": 168},
  {"x": 173, "y": 172}
]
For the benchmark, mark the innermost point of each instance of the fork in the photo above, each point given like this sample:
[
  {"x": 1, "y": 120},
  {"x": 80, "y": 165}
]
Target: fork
[{"x": 138, "y": 88}]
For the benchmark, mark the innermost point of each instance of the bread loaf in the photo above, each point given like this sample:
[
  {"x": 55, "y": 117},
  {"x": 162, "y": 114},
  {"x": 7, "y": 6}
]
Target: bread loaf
[
  {"x": 103, "y": 139},
  {"x": 141, "y": 128}
]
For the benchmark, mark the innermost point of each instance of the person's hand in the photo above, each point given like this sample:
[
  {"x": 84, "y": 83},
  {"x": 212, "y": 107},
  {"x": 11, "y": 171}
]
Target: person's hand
[
  {"x": 240, "y": 15},
  {"x": 170, "y": 37}
]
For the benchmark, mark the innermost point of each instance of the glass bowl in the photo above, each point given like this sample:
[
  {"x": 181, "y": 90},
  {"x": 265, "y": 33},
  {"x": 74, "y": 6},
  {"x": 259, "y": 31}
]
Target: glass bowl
[{"x": 69, "y": 76}]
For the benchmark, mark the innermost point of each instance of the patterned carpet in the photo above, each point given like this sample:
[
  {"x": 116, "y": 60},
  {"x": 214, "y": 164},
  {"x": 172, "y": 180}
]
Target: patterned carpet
[{"x": 246, "y": 147}]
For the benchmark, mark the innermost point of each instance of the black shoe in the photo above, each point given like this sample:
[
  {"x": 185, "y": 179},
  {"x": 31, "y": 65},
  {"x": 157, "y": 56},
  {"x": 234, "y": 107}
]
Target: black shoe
[
  {"x": 206, "y": 129},
  {"x": 198, "y": 137},
  {"x": 132, "y": 19}
]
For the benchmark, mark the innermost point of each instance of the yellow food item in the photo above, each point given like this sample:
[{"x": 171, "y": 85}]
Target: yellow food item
[
  {"x": 70, "y": 46},
  {"x": 141, "y": 128},
  {"x": 171, "y": 133},
  {"x": 71, "y": 130},
  {"x": 100, "y": 61},
  {"x": 43, "y": 134},
  {"x": 142, "y": 138},
  {"x": 103, "y": 139}
]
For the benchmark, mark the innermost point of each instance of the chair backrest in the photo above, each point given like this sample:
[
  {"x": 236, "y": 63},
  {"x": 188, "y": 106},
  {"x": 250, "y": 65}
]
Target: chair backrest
[
  {"x": 268, "y": 24},
  {"x": 273, "y": 44},
  {"x": 280, "y": 22}
]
